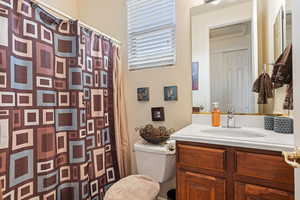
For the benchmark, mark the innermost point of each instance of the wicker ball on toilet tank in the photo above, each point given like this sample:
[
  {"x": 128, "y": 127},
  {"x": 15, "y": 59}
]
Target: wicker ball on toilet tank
[{"x": 155, "y": 135}]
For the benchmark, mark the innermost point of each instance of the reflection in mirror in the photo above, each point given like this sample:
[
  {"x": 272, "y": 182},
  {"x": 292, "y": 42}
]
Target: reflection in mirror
[
  {"x": 289, "y": 27},
  {"x": 282, "y": 29},
  {"x": 222, "y": 47},
  {"x": 232, "y": 41},
  {"x": 230, "y": 57},
  {"x": 275, "y": 35},
  {"x": 288, "y": 21},
  {"x": 278, "y": 28}
]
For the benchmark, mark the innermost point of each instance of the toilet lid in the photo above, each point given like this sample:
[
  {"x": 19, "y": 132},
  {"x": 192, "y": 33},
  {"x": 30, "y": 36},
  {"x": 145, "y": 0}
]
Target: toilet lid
[{"x": 167, "y": 149}]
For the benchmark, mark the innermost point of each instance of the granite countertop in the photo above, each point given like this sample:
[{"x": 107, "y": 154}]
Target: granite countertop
[{"x": 270, "y": 141}]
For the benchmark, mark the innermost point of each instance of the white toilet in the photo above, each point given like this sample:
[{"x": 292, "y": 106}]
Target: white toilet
[{"x": 156, "y": 161}]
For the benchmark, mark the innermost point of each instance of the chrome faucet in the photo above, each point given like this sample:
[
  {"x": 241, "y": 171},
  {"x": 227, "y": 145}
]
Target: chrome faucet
[{"x": 231, "y": 118}]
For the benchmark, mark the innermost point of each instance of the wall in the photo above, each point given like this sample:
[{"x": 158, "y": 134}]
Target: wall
[
  {"x": 108, "y": 16},
  {"x": 201, "y": 24},
  {"x": 97, "y": 14},
  {"x": 69, "y": 7}
]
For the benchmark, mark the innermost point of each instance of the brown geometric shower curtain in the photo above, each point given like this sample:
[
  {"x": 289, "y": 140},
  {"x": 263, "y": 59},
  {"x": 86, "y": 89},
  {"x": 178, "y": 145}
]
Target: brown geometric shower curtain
[{"x": 56, "y": 107}]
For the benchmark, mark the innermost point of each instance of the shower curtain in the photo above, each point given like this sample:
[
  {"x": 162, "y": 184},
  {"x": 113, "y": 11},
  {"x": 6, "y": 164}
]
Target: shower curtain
[{"x": 57, "y": 137}]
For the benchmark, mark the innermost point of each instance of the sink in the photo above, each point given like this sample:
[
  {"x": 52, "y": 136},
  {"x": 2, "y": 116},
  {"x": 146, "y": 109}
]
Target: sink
[{"x": 233, "y": 132}]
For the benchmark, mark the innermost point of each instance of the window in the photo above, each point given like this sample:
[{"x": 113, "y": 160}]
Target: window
[{"x": 151, "y": 33}]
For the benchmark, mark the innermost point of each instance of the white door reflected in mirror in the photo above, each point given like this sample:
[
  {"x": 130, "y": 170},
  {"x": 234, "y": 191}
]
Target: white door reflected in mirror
[{"x": 231, "y": 42}]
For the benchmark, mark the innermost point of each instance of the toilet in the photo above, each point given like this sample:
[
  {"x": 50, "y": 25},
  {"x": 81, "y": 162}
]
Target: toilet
[
  {"x": 156, "y": 161},
  {"x": 155, "y": 164}
]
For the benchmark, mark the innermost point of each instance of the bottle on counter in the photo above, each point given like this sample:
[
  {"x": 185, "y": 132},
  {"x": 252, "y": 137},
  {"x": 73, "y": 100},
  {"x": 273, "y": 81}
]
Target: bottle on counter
[{"x": 216, "y": 115}]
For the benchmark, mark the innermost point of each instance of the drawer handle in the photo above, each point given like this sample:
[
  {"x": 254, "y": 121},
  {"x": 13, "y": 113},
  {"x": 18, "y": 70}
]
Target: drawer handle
[{"x": 292, "y": 158}]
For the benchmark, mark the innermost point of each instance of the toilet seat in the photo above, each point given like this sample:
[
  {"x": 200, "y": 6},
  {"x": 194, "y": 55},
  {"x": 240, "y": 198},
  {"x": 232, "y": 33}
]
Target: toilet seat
[{"x": 135, "y": 187}]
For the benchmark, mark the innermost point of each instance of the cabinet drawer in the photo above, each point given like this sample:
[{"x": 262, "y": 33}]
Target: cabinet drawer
[
  {"x": 267, "y": 167},
  {"x": 201, "y": 157},
  {"x": 248, "y": 191}
]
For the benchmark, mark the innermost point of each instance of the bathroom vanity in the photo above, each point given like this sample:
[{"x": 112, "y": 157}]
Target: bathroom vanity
[
  {"x": 216, "y": 166},
  {"x": 236, "y": 45}
]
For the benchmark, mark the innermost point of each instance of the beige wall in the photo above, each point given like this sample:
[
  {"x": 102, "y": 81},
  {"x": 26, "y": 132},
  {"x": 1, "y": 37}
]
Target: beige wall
[
  {"x": 69, "y": 7},
  {"x": 108, "y": 16}
]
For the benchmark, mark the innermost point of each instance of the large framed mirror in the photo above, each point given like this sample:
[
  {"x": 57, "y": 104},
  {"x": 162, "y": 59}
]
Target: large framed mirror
[{"x": 233, "y": 43}]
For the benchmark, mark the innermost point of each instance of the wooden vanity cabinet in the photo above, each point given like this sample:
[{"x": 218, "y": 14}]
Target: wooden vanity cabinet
[
  {"x": 200, "y": 186},
  {"x": 214, "y": 172}
]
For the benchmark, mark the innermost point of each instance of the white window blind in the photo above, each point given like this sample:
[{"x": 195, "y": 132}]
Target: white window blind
[{"x": 151, "y": 33}]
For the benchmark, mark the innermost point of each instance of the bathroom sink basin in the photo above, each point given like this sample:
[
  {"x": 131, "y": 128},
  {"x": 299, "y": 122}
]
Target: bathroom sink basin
[{"x": 233, "y": 132}]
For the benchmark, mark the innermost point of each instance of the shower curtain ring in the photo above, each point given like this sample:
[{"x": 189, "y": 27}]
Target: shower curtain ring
[{"x": 33, "y": 4}]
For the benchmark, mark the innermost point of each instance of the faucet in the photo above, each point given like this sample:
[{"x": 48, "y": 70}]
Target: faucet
[{"x": 231, "y": 118}]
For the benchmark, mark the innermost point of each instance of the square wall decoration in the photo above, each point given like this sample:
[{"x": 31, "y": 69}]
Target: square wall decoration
[
  {"x": 158, "y": 114},
  {"x": 143, "y": 94},
  {"x": 170, "y": 93}
]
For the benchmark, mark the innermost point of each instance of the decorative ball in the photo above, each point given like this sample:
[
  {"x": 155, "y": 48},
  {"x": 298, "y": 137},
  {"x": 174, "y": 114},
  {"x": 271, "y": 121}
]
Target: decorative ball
[{"x": 155, "y": 135}]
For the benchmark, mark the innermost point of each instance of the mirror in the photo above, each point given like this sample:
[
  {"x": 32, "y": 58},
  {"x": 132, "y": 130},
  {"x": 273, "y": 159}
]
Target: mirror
[
  {"x": 274, "y": 36},
  {"x": 278, "y": 28},
  {"x": 232, "y": 41}
]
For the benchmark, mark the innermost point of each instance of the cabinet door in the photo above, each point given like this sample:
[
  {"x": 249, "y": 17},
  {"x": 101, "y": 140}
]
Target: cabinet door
[
  {"x": 254, "y": 192},
  {"x": 193, "y": 186}
]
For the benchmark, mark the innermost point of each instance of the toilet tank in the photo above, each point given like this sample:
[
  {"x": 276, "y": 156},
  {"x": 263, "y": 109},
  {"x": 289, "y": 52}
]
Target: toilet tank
[{"x": 156, "y": 161}]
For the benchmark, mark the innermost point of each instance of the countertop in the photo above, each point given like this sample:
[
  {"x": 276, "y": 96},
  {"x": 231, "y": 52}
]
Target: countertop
[{"x": 271, "y": 141}]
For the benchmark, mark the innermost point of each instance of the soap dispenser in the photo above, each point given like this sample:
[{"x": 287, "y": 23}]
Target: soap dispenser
[{"x": 216, "y": 115}]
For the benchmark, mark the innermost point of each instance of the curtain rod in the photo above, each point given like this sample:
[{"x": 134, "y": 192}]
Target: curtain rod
[{"x": 71, "y": 18}]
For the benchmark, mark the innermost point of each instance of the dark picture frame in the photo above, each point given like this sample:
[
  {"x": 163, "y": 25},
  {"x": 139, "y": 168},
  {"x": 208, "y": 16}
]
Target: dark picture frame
[{"x": 158, "y": 114}]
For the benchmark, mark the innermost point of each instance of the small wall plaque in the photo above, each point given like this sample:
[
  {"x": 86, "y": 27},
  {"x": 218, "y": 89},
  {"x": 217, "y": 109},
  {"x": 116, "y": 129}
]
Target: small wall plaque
[
  {"x": 170, "y": 93},
  {"x": 143, "y": 94},
  {"x": 158, "y": 114}
]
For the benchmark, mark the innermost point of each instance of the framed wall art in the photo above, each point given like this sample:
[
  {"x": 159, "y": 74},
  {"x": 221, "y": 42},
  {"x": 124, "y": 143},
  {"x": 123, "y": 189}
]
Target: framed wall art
[
  {"x": 143, "y": 94},
  {"x": 170, "y": 93},
  {"x": 158, "y": 114}
]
